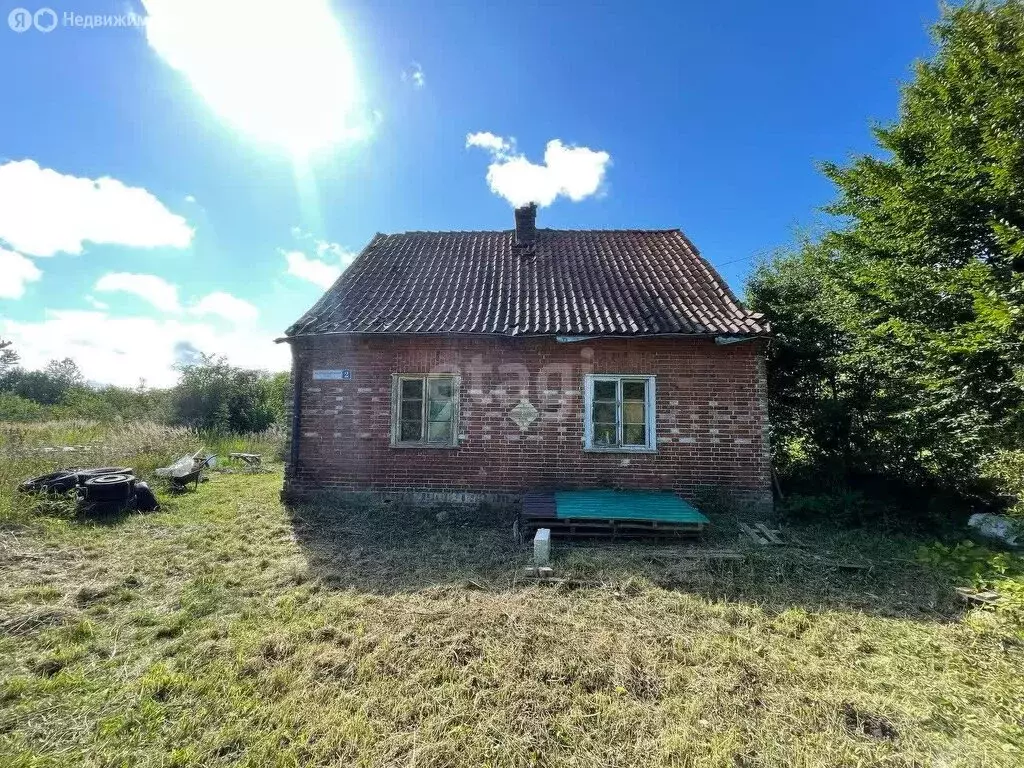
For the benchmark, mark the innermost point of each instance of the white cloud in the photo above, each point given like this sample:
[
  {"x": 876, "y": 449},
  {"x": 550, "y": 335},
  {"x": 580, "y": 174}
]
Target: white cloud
[
  {"x": 164, "y": 296},
  {"x": 157, "y": 291},
  {"x": 95, "y": 303},
  {"x": 323, "y": 269},
  {"x": 313, "y": 270},
  {"x": 281, "y": 72},
  {"x": 43, "y": 212},
  {"x": 572, "y": 172},
  {"x": 15, "y": 271},
  {"x": 325, "y": 249},
  {"x": 121, "y": 350},
  {"x": 415, "y": 75},
  {"x": 489, "y": 141},
  {"x": 225, "y": 305}
]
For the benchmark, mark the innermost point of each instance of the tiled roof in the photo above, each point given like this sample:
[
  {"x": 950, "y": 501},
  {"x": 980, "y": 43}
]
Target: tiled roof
[{"x": 567, "y": 282}]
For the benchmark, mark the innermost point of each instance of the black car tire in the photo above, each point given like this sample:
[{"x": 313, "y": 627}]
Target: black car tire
[
  {"x": 55, "y": 482},
  {"x": 113, "y": 487},
  {"x": 87, "y": 472}
]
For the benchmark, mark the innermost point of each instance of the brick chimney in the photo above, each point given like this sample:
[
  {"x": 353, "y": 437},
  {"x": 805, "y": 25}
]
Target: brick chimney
[{"x": 526, "y": 224}]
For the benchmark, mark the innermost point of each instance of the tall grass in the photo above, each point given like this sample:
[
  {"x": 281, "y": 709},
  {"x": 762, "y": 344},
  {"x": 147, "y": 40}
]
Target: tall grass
[
  {"x": 31, "y": 449},
  {"x": 269, "y": 443}
]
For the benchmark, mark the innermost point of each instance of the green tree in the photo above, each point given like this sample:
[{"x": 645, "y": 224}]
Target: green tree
[
  {"x": 8, "y": 357},
  {"x": 216, "y": 396},
  {"x": 279, "y": 395},
  {"x": 110, "y": 403},
  {"x": 50, "y": 386},
  {"x": 900, "y": 349}
]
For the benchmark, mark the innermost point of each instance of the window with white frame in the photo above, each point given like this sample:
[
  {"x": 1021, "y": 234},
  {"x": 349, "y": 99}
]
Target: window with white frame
[
  {"x": 424, "y": 410},
  {"x": 619, "y": 412}
]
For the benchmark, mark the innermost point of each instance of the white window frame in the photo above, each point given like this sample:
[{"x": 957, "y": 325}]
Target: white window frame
[
  {"x": 396, "y": 416},
  {"x": 588, "y": 410}
]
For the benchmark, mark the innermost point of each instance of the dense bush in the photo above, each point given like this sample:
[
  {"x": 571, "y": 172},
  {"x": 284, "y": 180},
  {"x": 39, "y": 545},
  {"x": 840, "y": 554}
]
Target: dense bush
[
  {"x": 1006, "y": 470},
  {"x": 113, "y": 403},
  {"x": 16, "y": 408},
  {"x": 898, "y": 362},
  {"x": 982, "y": 568},
  {"x": 211, "y": 396},
  {"x": 46, "y": 387}
]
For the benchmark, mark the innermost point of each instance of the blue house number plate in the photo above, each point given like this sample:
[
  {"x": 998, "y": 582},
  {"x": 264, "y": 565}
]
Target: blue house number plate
[{"x": 343, "y": 374}]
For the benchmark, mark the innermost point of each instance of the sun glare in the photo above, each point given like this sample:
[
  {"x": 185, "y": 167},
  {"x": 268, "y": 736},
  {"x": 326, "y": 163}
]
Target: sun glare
[{"x": 280, "y": 72}]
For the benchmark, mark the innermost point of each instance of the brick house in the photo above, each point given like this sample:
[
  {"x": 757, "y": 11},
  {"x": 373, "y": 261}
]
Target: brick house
[{"x": 471, "y": 365}]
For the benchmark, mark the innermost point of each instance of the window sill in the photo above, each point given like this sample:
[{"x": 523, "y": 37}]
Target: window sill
[
  {"x": 427, "y": 446},
  {"x": 619, "y": 449}
]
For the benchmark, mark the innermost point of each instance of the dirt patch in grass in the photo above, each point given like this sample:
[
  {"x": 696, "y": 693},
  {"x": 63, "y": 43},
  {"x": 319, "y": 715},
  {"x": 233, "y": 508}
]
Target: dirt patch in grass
[
  {"x": 383, "y": 547},
  {"x": 870, "y": 725},
  {"x": 376, "y": 545}
]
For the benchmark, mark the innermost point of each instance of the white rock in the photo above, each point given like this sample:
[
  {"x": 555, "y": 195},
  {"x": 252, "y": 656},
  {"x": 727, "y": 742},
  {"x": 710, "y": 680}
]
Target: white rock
[{"x": 998, "y": 528}]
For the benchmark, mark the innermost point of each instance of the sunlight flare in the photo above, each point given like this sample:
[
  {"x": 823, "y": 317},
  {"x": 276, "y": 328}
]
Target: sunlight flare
[{"x": 281, "y": 73}]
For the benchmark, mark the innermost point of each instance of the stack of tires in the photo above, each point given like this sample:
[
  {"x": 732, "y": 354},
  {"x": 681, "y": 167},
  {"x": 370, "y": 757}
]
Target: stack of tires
[{"x": 97, "y": 489}]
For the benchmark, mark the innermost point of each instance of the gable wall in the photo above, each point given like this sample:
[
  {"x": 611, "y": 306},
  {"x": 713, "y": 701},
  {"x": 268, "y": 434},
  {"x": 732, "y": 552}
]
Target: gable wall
[{"x": 711, "y": 420}]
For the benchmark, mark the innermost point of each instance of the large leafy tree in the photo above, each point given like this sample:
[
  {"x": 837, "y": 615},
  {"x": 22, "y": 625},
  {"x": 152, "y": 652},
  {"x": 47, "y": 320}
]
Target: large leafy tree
[
  {"x": 214, "y": 395},
  {"x": 901, "y": 332}
]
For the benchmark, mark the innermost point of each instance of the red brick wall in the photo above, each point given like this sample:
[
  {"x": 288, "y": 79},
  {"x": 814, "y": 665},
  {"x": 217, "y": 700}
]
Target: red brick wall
[{"x": 711, "y": 425}]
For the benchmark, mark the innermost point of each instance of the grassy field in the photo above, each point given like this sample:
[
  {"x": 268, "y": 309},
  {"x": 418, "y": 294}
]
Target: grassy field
[{"x": 226, "y": 629}]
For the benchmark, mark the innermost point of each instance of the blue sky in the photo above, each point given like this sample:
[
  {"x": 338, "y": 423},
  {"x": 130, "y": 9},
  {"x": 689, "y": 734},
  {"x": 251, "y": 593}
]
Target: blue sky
[{"x": 246, "y": 154}]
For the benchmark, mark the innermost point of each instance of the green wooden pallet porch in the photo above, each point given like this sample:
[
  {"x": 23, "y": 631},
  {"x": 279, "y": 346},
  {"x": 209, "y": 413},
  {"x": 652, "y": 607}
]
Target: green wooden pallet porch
[{"x": 607, "y": 513}]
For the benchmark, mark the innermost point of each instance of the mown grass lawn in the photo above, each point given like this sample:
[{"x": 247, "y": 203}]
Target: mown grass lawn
[{"x": 227, "y": 630}]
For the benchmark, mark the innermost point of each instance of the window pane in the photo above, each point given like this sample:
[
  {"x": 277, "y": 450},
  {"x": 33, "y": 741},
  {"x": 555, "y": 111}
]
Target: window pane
[
  {"x": 604, "y": 412},
  {"x": 436, "y": 424},
  {"x": 633, "y": 413},
  {"x": 439, "y": 432},
  {"x": 634, "y": 390},
  {"x": 410, "y": 432},
  {"x": 440, "y": 388},
  {"x": 604, "y": 390},
  {"x": 412, "y": 410},
  {"x": 440, "y": 410},
  {"x": 412, "y": 388},
  {"x": 604, "y": 434},
  {"x": 634, "y": 434}
]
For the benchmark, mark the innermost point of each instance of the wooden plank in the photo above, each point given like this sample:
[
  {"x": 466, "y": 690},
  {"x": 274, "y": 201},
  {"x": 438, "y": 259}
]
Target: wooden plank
[
  {"x": 626, "y": 534},
  {"x": 608, "y": 534},
  {"x": 538, "y": 506},
  {"x": 768, "y": 533},
  {"x": 625, "y": 530},
  {"x": 974, "y": 596},
  {"x": 844, "y": 565},
  {"x": 540, "y": 510},
  {"x": 757, "y": 537},
  {"x": 624, "y": 527},
  {"x": 712, "y": 554}
]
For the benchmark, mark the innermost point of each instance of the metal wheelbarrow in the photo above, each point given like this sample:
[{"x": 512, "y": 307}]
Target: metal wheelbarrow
[{"x": 187, "y": 469}]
